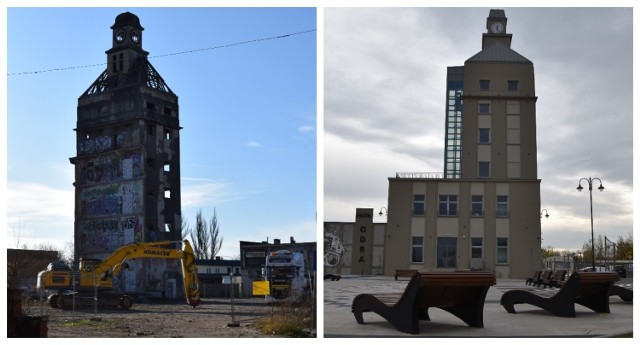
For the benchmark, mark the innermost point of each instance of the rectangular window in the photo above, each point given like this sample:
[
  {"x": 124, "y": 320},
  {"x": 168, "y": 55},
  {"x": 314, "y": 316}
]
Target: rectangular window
[
  {"x": 476, "y": 247},
  {"x": 446, "y": 252},
  {"x": 484, "y": 135},
  {"x": 416, "y": 248},
  {"x": 418, "y": 205},
  {"x": 484, "y": 169},
  {"x": 477, "y": 206},
  {"x": 448, "y": 205},
  {"x": 485, "y": 84},
  {"x": 502, "y": 247},
  {"x": 484, "y": 108},
  {"x": 502, "y": 206},
  {"x": 512, "y": 85}
]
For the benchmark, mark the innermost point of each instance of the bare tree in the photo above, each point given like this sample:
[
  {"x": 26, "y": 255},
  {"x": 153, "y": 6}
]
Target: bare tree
[
  {"x": 200, "y": 237},
  {"x": 184, "y": 229},
  {"x": 214, "y": 235},
  {"x": 205, "y": 238}
]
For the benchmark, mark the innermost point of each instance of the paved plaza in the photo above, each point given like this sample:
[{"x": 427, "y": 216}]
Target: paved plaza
[{"x": 530, "y": 321}]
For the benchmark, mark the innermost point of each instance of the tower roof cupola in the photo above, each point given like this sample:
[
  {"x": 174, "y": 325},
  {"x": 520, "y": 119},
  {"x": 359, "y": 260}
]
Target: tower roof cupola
[{"x": 127, "y": 19}]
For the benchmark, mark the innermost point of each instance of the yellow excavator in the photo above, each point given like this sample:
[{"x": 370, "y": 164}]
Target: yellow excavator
[{"x": 95, "y": 276}]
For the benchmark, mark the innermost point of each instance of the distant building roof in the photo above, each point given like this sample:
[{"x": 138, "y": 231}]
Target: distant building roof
[
  {"x": 218, "y": 262},
  {"x": 498, "y": 52}
]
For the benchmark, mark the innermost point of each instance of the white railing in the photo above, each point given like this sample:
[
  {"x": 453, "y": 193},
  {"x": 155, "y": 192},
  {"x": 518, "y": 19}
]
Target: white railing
[{"x": 419, "y": 175}]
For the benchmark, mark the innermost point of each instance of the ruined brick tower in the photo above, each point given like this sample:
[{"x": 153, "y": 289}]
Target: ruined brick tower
[{"x": 127, "y": 164}]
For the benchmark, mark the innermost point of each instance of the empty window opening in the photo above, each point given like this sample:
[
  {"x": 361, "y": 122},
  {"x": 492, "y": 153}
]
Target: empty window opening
[
  {"x": 167, "y": 134},
  {"x": 167, "y": 193},
  {"x": 167, "y": 167}
]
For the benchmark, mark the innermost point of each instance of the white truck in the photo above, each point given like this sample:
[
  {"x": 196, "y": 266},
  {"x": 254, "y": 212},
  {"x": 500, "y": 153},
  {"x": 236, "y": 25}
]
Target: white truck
[{"x": 285, "y": 272}]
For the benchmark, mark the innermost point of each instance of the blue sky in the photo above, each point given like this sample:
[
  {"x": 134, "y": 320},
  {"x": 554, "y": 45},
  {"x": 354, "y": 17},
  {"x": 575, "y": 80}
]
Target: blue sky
[{"x": 248, "y": 112}]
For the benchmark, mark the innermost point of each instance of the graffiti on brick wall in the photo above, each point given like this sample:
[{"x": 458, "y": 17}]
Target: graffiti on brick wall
[
  {"x": 132, "y": 229},
  {"x": 334, "y": 250},
  {"x": 100, "y": 201},
  {"x": 155, "y": 275},
  {"x": 110, "y": 200},
  {"x": 103, "y": 235},
  {"x": 95, "y": 145},
  {"x": 131, "y": 196},
  {"x": 107, "y": 235},
  {"x": 124, "y": 138},
  {"x": 111, "y": 168}
]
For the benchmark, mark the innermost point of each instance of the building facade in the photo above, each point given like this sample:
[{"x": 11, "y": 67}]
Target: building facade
[
  {"x": 127, "y": 163},
  {"x": 484, "y": 211},
  {"x": 355, "y": 248}
]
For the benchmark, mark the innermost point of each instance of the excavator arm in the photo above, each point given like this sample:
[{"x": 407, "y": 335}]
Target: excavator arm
[{"x": 114, "y": 263}]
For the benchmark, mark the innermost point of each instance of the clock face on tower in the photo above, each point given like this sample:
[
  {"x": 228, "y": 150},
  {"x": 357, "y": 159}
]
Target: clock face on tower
[
  {"x": 120, "y": 36},
  {"x": 497, "y": 28},
  {"x": 135, "y": 37}
]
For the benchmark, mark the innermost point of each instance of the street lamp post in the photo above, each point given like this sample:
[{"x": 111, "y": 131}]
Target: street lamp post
[{"x": 601, "y": 188}]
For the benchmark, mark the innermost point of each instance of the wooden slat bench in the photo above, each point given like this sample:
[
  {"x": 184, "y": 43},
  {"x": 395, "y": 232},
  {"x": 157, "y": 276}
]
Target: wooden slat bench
[
  {"x": 534, "y": 278},
  {"x": 556, "y": 279},
  {"x": 624, "y": 291},
  {"x": 545, "y": 275},
  {"x": 459, "y": 293},
  {"x": 405, "y": 273},
  {"x": 590, "y": 289}
]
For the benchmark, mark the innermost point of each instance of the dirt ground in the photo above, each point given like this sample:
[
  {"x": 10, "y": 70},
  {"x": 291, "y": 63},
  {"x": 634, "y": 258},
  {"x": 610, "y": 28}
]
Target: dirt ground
[{"x": 213, "y": 318}]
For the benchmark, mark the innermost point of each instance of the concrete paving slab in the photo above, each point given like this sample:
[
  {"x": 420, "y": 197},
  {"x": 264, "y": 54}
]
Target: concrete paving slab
[{"x": 530, "y": 321}]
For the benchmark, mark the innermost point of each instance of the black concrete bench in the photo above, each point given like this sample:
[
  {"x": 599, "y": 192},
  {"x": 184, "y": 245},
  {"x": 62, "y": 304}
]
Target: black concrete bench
[
  {"x": 404, "y": 273},
  {"x": 459, "y": 293},
  {"x": 624, "y": 291},
  {"x": 590, "y": 289}
]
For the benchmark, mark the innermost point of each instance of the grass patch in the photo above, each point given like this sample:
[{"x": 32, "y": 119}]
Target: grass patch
[
  {"x": 289, "y": 320},
  {"x": 93, "y": 324}
]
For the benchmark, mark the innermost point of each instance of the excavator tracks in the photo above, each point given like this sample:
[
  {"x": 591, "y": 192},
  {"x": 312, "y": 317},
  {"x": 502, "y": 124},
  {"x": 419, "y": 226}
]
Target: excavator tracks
[{"x": 85, "y": 301}]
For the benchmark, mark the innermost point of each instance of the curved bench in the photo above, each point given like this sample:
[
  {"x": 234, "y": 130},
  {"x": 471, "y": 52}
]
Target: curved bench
[
  {"x": 459, "y": 293},
  {"x": 624, "y": 291},
  {"x": 590, "y": 289}
]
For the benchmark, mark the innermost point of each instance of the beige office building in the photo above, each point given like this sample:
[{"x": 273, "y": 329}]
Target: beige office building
[{"x": 483, "y": 211}]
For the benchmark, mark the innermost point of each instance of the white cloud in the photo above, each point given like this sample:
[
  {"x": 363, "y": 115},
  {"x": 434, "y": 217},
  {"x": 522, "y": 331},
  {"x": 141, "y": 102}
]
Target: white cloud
[
  {"x": 38, "y": 214},
  {"x": 39, "y": 204},
  {"x": 252, "y": 144},
  {"x": 305, "y": 129}
]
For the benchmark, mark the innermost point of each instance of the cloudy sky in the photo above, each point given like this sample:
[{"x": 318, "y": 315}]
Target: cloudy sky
[
  {"x": 384, "y": 106},
  {"x": 248, "y": 113}
]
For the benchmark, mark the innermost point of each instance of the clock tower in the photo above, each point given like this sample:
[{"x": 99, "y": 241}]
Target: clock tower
[
  {"x": 127, "y": 163},
  {"x": 127, "y": 44},
  {"x": 496, "y": 30}
]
